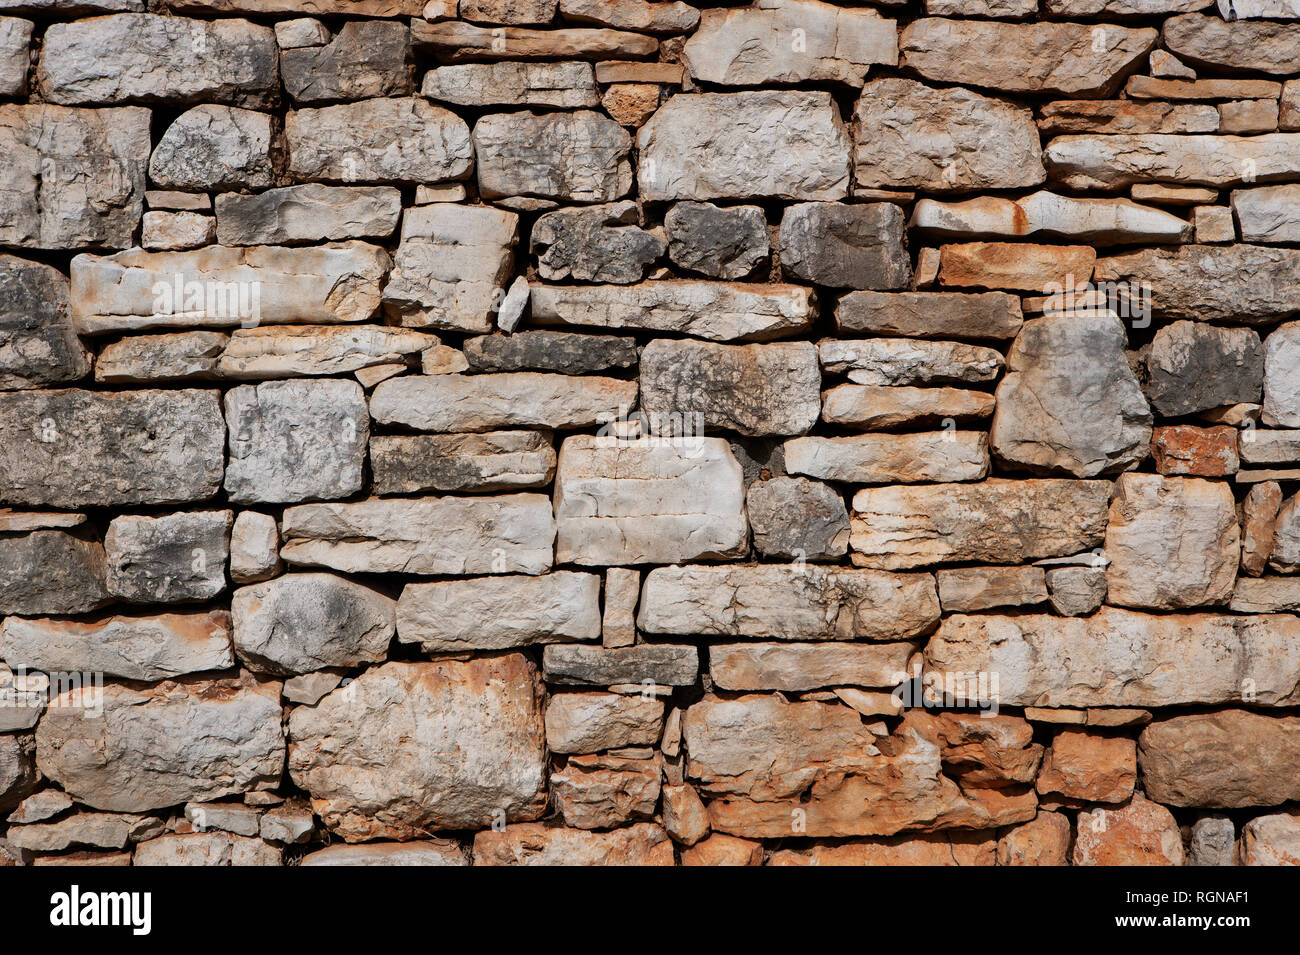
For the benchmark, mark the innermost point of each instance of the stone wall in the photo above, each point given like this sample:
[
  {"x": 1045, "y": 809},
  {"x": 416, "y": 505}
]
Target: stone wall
[{"x": 588, "y": 432}]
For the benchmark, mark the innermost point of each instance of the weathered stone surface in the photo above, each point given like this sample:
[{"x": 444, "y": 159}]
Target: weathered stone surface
[
  {"x": 366, "y": 58},
  {"x": 720, "y": 849},
  {"x": 1014, "y": 265},
  {"x": 591, "y": 722},
  {"x": 451, "y": 267},
  {"x": 71, "y": 448},
  {"x": 652, "y": 17},
  {"x": 1046, "y": 214},
  {"x": 422, "y": 852},
  {"x": 38, "y": 344},
  {"x": 170, "y": 559},
  {"x": 854, "y": 246},
  {"x": 897, "y": 361},
  {"x": 220, "y": 286},
  {"x": 288, "y": 351},
  {"x": 1138, "y": 833},
  {"x": 873, "y": 407},
  {"x": 495, "y": 461},
  {"x": 1241, "y": 90},
  {"x": 304, "y": 31},
  {"x": 1268, "y": 214},
  {"x": 597, "y": 797},
  {"x": 1113, "y": 116},
  {"x": 1281, "y": 377},
  {"x": 310, "y": 688},
  {"x": 15, "y": 40},
  {"x": 750, "y": 389},
  {"x": 495, "y": 613},
  {"x": 1223, "y": 760},
  {"x": 911, "y": 136},
  {"x": 1082, "y": 765},
  {"x": 386, "y": 140},
  {"x": 1188, "y": 282},
  {"x": 965, "y": 589},
  {"x": 147, "y": 648},
  {"x": 645, "y": 663},
  {"x": 685, "y": 817},
  {"x": 74, "y": 178},
  {"x": 1121, "y": 658},
  {"x": 1213, "y": 842},
  {"x": 1109, "y": 162},
  {"x": 214, "y": 148},
  {"x": 797, "y": 518},
  {"x": 254, "y": 547},
  {"x": 453, "y": 42},
  {"x": 303, "y": 622},
  {"x": 1285, "y": 555},
  {"x": 1024, "y": 57},
  {"x": 1044, "y": 841},
  {"x": 510, "y": 534},
  {"x": 466, "y": 742},
  {"x": 183, "y": 356},
  {"x": 595, "y": 244},
  {"x": 994, "y": 521},
  {"x": 1271, "y": 840},
  {"x": 993, "y": 315},
  {"x": 165, "y": 231},
  {"x": 146, "y": 58},
  {"x": 39, "y": 806},
  {"x": 485, "y": 402},
  {"x": 569, "y": 353},
  {"x": 920, "y": 849},
  {"x": 788, "y": 144},
  {"x": 1125, "y": 8},
  {"x": 161, "y": 745},
  {"x": 576, "y": 157},
  {"x": 1171, "y": 542},
  {"x": 18, "y": 775},
  {"x": 295, "y": 440},
  {"x": 1209, "y": 41},
  {"x": 533, "y": 844},
  {"x": 751, "y": 46},
  {"x": 1069, "y": 401},
  {"x": 784, "y": 603},
  {"x": 307, "y": 213},
  {"x": 101, "y": 829},
  {"x": 206, "y": 849},
  {"x": 1195, "y": 367},
  {"x": 569, "y": 85},
  {"x": 1259, "y": 521},
  {"x": 1076, "y": 591},
  {"x": 1266, "y": 595},
  {"x": 655, "y": 500},
  {"x": 793, "y": 667},
  {"x": 891, "y": 458},
  {"x": 723, "y": 243},
  {"x": 712, "y": 310},
  {"x": 508, "y": 11}
]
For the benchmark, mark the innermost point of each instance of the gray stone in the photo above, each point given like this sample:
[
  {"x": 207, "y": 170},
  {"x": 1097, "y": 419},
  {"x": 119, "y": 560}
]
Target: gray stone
[
  {"x": 69, "y": 448},
  {"x": 51, "y": 571},
  {"x": 646, "y": 664},
  {"x": 797, "y": 518},
  {"x": 566, "y": 352},
  {"x": 288, "y": 824},
  {"x": 788, "y": 144},
  {"x": 494, "y": 461},
  {"x": 891, "y": 458},
  {"x": 911, "y": 136},
  {"x": 289, "y": 351},
  {"x": 451, "y": 267},
  {"x": 509, "y": 534},
  {"x": 147, "y": 58},
  {"x": 751, "y": 389},
  {"x": 964, "y": 589},
  {"x": 1049, "y": 215},
  {"x": 183, "y": 356},
  {"x": 1195, "y": 367},
  {"x": 570, "y": 85},
  {"x": 205, "y": 849},
  {"x": 39, "y": 806},
  {"x": 1285, "y": 557},
  {"x": 580, "y": 156},
  {"x": 308, "y": 213},
  {"x": 74, "y": 178},
  {"x": 38, "y": 344},
  {"x": 99, "y": 829},
  {"x": 386, "y": 140},
  {"x": 1076, "y": 591},
  {"x": 996, "y": 521},
  {"x": 878, "y": 407},
  {"x": 224, "y": 817},
  {"x": 304, "y": 31},
  {"x": 424, "y": 852},
  {"x": 509, "y": 11},
  {"x": 157, "y": 746},
  {"x": 214, "y": 148},
  {"x": 993, "y": 315},
  {"x": 1265, "y": 595},
  {"x": 149, "y": 648},
  {"x": 1209, "y": 41},
  {"x": 596, "y": 244},
  {"x": 1069, "y": 401},
  {"x": 787, "y": 603},
  {"x": 1116, "y": 161},
  {"x": 295, "y": 440},
  {"x": 456, "y": 41},
  {"x": 1282, "y": 377},
  {"x": 496, "y": 613},
  {"x": 1268, "y": 214},
  {"x": 298, "y": 623},
  {"x": 222, "y": 287},
  {"x": 15, "y": 43},
  {"x": 795, "y": 667},
  {"x": 591, "y": 722},
  {"x": 1213, "y": 842},
  {"x": 722, "y": 243},
  {"x": 170, "y": 559},
  {"x": 310, "y": 688},
  {"x": 18, "y": 775},
  {"x": 846, "y": 246},
  {"x": 752, "y": 46},
  {"x": 654, "y": 500},
  {"x": 652, "y": 16},
  {"x": 712, "y": 310},
  {"x": 1271, "y": 840},
  {"x": 177, "y": 230},
  {"x": 366, "y": 58},
  {"x": 466, "y": 746},
  {"x": 898, "y": 361},
  {"x": 254, "y": 547}
]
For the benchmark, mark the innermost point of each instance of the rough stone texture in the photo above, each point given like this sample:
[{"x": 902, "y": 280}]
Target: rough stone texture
[
  {"x": 1271, "y": 840},
  {"x": 288, "y": 351},
  {"x": 595, "y": 244},
  {"x": 1069, "y": 401},
  {"x": 38, "y": 344},
  {"x": 1209, "y": 41},
  {"x": 171, "y": 559},
  {"x": 1085, "y": 766},
  {"x": 570, "y": 85},
  {"x": 254, "y": 547},
  {"x": 1108, "y": 162},
  {"x": 1194, "y": 367},
  {"x": 1213, "y": 842},
  {"x": 182, "y": 356},
  {"x": 495, "y": 461},
  {"x": 1138, "y": 833},
  {"x": 308, "y": 213},
  {"x": 533, "y": 844},
  {"x": 797, "y": 518},
  {"x": 792, "y": 667},
  {"x": 963, "y": 590},
  {"x": 994, "y": 315},
  {"x": 1046, "y": 214},
  {"x": 853, "y": 246},
  {"x": 569, "y": 353},
  {"x": 213, "y": 148},
  {"x": 590, "y": 722},
  {"x": 722, "y": 243},
  {"x": 880, "y": 361},
  {"x": 577, "y": 157},
  {"x": 891, "y": 458},
  {"x": 466, "y": 741},
  {"x": 364, "y": 59}
]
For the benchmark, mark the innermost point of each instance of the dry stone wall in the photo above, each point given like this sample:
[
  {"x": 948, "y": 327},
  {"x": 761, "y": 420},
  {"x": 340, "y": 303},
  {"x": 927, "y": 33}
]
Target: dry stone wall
[{"x": 614, "y": 432}]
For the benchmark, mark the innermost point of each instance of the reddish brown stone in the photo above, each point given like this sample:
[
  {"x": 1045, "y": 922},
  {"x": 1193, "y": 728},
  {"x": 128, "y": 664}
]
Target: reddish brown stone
[
  {"x": 1086, "y": 766},
  {"x": 1020, "y": 266},
  {"x": 1187, "y": 449},
  {"x": 948, "y": 849},
  {"x": 1138, "y": 833},
  {"x": 631, "y": 104},
  {"x": 1259, "y": 520},
  {"x": 1044, "y": 840},
  {"x": 720, "y": 849}
]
